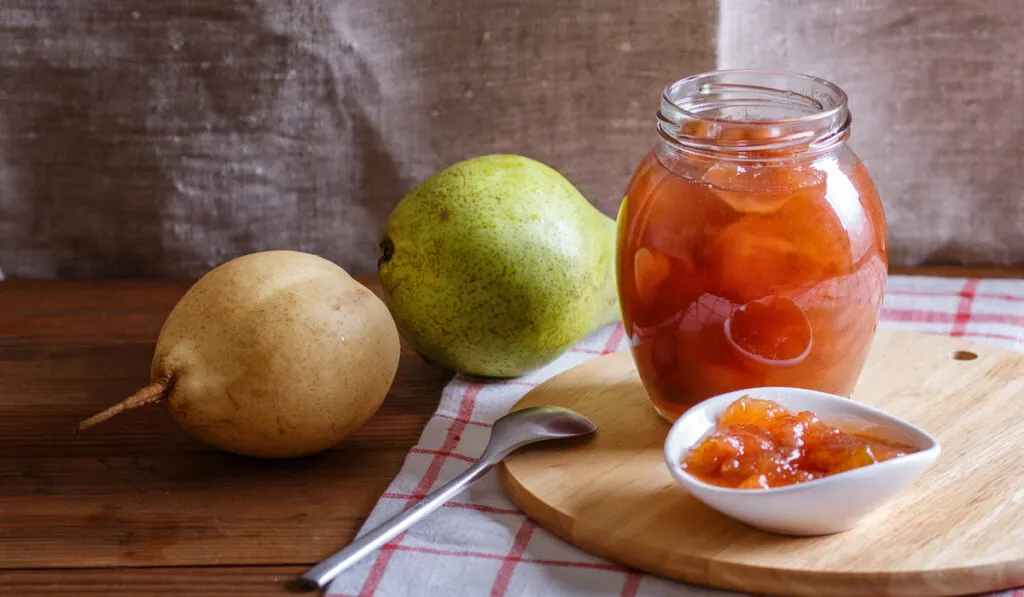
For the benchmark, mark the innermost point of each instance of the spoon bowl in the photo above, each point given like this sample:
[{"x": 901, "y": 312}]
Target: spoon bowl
[
  {"x": 534, "y": 424},
  {"x": 824, "y": 506}
]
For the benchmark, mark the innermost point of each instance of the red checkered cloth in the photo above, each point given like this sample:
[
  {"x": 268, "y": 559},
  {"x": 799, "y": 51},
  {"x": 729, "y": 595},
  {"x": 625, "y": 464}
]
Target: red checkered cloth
[{"x": 481, "y": 544}]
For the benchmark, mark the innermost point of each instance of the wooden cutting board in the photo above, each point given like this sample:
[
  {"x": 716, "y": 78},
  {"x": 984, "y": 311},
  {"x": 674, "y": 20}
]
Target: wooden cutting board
[{"x": 957, "y": 530}]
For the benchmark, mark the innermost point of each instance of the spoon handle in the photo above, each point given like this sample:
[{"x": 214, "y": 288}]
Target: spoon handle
[{"x": 318, "y": 576}]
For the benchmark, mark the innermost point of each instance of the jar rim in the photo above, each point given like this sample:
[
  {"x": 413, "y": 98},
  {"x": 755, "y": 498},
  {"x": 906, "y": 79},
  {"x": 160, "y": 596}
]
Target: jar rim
[
  {"x": 791, "y": 110},
  {"x": 840, "y": 98}
]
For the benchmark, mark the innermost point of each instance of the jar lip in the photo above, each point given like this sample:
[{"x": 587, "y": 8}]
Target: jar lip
[
  {"x": 840, "y": 102},
  {"x": 743, "y": 113}
]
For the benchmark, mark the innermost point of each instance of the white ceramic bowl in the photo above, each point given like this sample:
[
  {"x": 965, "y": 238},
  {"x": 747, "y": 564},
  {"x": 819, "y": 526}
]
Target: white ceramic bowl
[{"x": 820, "y": 507}]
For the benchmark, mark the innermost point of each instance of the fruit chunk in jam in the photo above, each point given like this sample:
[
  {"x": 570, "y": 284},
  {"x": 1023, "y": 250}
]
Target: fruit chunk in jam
[{"x": 758, "y": 444}]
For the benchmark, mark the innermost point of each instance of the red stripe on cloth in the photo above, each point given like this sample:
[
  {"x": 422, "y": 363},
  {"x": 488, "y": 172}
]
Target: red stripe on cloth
[
  {"x": 614, "y": 339},
  {"x": 454, "y": 455},
  {"x": 494, "y": 556},
  {"x": 515, "y": 382},
  {"x": 963, "y": 310},
  {"x": 451, "y": 418},
  {"x": 522, "y": 538},
  {"x": 995, "y": 296},
  {"x": 524, "y": 560},
  {"x": 415, "y": 497},
  {"x": 632, "y": 585},
  {"x": 514, "y": 556},
  {"x": 922, "y": 316},
  {"x": 380, "y": 565},
  {"x": 451, "y": 440}
]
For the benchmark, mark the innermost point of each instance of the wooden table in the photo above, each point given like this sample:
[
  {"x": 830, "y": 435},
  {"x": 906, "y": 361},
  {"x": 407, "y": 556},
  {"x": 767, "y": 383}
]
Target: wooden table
[{"x": 137, "y": 506}]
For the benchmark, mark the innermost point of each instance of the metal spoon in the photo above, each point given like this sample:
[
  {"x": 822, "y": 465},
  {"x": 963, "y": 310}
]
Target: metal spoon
[{"x": 511, "y": 432}]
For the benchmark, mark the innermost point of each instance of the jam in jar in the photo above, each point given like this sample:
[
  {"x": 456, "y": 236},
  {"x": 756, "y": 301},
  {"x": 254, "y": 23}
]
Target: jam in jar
[{"x": 751, "y": 242}]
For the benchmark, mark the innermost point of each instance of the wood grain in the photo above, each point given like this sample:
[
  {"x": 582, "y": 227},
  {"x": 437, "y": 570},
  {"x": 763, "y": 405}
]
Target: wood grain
[
  {"x": 140, "y": 492},
  {"x": 248, "y": 581},
  {"x": 958, "y": 530}
]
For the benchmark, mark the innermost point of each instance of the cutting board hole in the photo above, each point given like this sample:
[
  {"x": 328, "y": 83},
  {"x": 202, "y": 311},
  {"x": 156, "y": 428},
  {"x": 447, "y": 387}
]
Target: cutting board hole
[{"x": 965, "y": 355}]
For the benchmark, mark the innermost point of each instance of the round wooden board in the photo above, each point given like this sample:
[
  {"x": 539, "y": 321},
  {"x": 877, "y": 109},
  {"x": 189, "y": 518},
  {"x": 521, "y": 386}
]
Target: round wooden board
[{"x": 957, "y": 530}]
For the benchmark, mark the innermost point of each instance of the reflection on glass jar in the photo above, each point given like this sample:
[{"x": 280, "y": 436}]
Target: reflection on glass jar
[{"x": 752, "y": 243}]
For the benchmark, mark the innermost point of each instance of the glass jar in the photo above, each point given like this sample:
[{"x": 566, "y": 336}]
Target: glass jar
[{"x": 752, "y": 244}]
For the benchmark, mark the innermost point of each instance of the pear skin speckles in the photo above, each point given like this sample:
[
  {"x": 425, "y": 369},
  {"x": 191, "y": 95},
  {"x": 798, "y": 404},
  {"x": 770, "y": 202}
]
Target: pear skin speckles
[{"x": 499, "y": 266}]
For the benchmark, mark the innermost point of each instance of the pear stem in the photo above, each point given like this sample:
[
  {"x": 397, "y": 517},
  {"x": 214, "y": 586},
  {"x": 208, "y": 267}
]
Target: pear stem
[
  {"x": 387, "y": 250},
  {"x": 151, "y": 394}
]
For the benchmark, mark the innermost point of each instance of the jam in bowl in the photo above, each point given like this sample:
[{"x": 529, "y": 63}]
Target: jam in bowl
[
  {"x": 819, "y": 463},
  {"x": 760, "y": 444}
]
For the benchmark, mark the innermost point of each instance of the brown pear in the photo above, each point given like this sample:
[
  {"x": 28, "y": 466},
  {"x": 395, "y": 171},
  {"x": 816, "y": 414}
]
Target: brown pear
[{"x": 275, "y": 354}]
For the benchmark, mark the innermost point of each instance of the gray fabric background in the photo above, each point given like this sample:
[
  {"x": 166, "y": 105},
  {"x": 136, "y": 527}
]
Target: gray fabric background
[
  {"x": 164, "y": 137},
  {"x": 937, "y": 94}
]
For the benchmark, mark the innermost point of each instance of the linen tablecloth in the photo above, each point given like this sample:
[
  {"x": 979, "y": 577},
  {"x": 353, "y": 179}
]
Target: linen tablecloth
[{"x": 481, "y": 544}]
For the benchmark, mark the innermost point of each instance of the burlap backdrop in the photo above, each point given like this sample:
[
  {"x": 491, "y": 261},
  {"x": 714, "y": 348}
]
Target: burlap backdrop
[{"x": 164, "y": 137}]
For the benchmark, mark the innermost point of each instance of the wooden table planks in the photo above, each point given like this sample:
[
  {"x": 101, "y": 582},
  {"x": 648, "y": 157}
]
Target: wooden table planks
[
  {"x": 141, "y": 495},
  {"x": 137, "y": 506}
]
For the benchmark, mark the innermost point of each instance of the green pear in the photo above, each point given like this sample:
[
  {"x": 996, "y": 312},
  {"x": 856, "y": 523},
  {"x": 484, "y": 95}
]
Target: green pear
[{"x": 496, "y": 265}]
